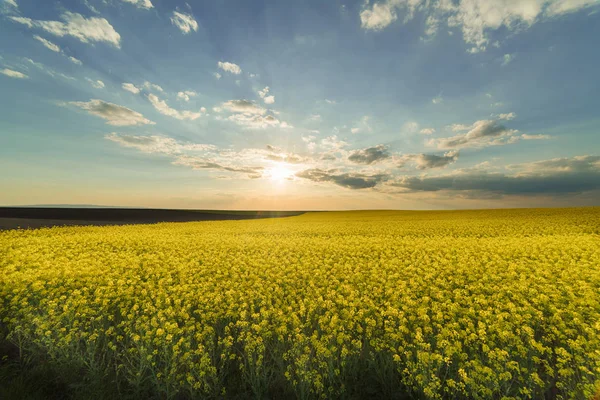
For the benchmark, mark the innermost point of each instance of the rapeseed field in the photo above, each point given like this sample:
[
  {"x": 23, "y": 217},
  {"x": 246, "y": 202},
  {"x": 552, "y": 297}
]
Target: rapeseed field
[{"x": 495, "y": 304}]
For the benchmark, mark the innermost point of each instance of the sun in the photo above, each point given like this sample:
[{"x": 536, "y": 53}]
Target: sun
[{"x": 279, "y": 173}]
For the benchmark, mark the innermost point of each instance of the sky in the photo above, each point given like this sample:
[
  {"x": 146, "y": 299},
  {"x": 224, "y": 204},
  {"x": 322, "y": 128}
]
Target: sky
[{"x": 304, "y": 105}]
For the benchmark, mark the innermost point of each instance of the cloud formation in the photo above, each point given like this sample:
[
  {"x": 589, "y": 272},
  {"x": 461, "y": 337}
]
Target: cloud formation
[
  {"x": 113, "y": 114},
  {"x": 369, "y": 155},
  {"x": 264, "y": 95},
  {"x": 475, "y": 18},
  {"x": 47, "y": 69},
  {"x": 349, "y": 180},
  {"x": 185, "y": 95},
  {"x": 185, "y": 22},
  {"x": 156, "y": 144},
  {"x": 229, "y": 67},
  {"x": 86, "y": 30},
  {"x": 243, "y": 106},
  {"x": 427, "y": 131},
  {"x": 130, "y": 87},
  {"x": 507, "y": 117},
  {"x": 75, "y": 60},
  {"x": 507, "y": 59},
  {"x": 146, "y": 4},
  {"x": 13, "y": 74},
  {"x": 481, "y": 134},
  {"x": 48, "y": 44},
  {"x": 162, "y": 107},
  {"x": 97, "y": 84},
  {"x": 200, "y": 163},
  {"x": 556, "y": 176},
  {"x": 429, "y": 161}
]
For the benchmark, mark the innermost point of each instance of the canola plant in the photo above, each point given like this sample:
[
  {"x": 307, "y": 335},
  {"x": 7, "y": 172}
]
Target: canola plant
[{"x": 500, "y": 304}]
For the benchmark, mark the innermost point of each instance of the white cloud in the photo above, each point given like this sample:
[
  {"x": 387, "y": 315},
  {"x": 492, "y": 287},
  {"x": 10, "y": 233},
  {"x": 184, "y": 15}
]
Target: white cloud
[
  {"x": 507, "y": 58},
  {"x": 47, "y": 43},
  {"x": 229, "y": 67},
  {"x": 13, "y": 74},
  {"x": 97, "y": 84},
  {"x": 427, "y": 131},
  {"x": 85, "y": 29},
  {"x": 130, "y": 87},
  {"x": 264, "y": 95},
  {"x": 507, "y": 117},
  {"x": 333, "y": 143},
  {"x": 157, "y": 144},
  {"x": 185, "y": 22},
  {"x": 460, "y": 127},
  {"x": 114, "y": 114},
  {"x": 432, "y": 26},
  {"x": 162, "y": 107},
  {"x": 146, "y": 4},
  {"x": 481, "y": 134},
  {"x": 151, "y": 86},
  {"x": 475, "y": 18},
  {"x": 330, "y": 101},
  {"x": 378, "y": 17},
  {"x": 217, "y": 75},
  {"x": 437, "y": 100},
  {"x": 256, "y": 121},
  {"x": 12, "y": 3},
  {"x": 185, "y": 95},
  {"x": 355, "y": 130},
  {"x": 243, "y": 106},
  {"x": 560, "y": 7},
  {"x": 75, "y": 60},
  {"x": 534, "y": 137}
]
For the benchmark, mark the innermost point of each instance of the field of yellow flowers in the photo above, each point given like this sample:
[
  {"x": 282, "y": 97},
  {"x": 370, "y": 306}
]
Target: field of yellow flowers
[{"x": 494, "y": 304}]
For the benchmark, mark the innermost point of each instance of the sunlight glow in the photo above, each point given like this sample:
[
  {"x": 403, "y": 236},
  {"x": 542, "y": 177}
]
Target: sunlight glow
[{"x": 280, "y": 172}]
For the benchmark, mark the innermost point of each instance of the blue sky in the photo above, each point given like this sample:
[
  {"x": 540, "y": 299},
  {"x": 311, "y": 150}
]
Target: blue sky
[{"x": 300, "y": 105}]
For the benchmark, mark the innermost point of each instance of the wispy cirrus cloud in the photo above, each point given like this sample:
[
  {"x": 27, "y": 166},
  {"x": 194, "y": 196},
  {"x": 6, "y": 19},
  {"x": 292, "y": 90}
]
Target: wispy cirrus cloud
[
  {"x": 86, "y": 30},
  {"x": 75, "y": 60},
  {"x": 44, "y": 68},
  {"x": 98, "y": 84},
  {"x": 157, "y": 144},
  {"x": 48, "y": 44},
  {"x": 113, "y": 114}
]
